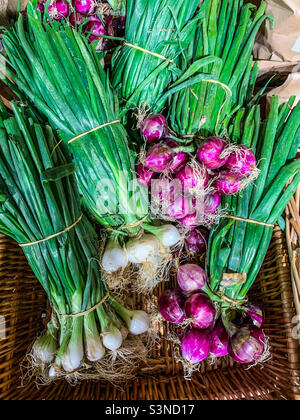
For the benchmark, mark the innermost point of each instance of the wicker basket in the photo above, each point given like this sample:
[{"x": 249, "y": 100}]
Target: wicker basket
[{"x": 23, "y": 304}]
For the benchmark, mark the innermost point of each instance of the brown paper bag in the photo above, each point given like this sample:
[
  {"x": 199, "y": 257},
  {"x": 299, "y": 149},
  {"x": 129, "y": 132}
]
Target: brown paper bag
[
  {"x": 290, "y": 88},
  {"x": 282, "y": 43}
]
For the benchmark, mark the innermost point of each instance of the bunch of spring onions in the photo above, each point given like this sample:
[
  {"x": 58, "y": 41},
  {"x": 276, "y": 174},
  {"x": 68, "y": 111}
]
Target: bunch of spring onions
[
  {"x": 59, "y": 72},
  {"x": 157, "y": 33},
  {"x": 222, "y": 48},
  {"x": 40, "y": 208},
  {"x": 212, "y": 304}
]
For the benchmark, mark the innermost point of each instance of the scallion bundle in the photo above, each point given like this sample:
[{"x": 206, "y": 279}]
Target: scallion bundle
[
  {"x": 157, "y": 33},
  {"x": 40, "y": 208},
  {"x": 222, "y": 47}
]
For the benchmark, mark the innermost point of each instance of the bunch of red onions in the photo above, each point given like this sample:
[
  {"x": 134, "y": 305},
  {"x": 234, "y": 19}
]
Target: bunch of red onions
[
  {"x": 208, "y": 330},
  {"x": 81, "y": 13},
  {"x": 217, "y": 169}
]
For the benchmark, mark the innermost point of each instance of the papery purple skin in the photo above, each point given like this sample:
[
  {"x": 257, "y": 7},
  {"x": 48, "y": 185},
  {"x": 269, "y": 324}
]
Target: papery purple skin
[
  {"x": 191, "y": 177},
  {"x": 85, "y": 7},
  {"x": 209, "y": 153},
  {"x": 201, "y": 310},
  {"x": 154, "y": 128},
  {"x": 144, "y": 175},
  {"x": 227, "y": 183},
  {"x": 197, "y": 240},
  {"x": 212, "y": 202},
  {"x": 219, "y": 340},
  {"x": 242, "y": 162},
  {"x": 158, "y": 158},
  {"x": 179, "y": 208},
  {"x": 58, "y": 10},
  {"x": 247, "y": 345},
  {"x": 171, "y": 306},
  {"x": 195, "y": 346},
  {"x": 191, "y": 278},
  {"x": 179, "y": 159}
]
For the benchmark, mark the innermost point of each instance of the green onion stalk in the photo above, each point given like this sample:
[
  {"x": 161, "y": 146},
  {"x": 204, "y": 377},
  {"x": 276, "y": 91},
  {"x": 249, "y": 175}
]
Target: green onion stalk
[
  {"x": 222, "y": 48},
  {"x": 161, "y": 27},
  {"x": 237, "y": 248},
  {"x": 40, "y": 208}
]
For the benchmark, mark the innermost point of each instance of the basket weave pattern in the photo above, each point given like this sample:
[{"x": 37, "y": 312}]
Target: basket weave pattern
[{"x": 23, "y": 302}]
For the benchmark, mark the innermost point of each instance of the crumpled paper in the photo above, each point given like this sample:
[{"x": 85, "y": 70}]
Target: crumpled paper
[{"x": 282, "y": 43}]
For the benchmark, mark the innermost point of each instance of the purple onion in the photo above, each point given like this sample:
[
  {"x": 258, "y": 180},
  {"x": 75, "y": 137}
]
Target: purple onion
[
  {"x": 219, "y": 341},
  {"x": 179, "y": 208},
  {"x": 211, "y": 203},
  {"x": 154, "y": 128},
  {"x": 158, "y": 158},
  {"x": 96, "y": 28},
  {"x": 227, "y": 183},
  {"x": 195, "y": 346},
  {"x": 85, "y": 7},
  {"x": 171, "y": 306},
  {"x": 179, "y": 159},
  {"x": 75, "y": 21},
  {"x": 247, "y": 345},
  {"x": 201, "y": 310},
  {"x": 58, "y": 9},
  {"x": 41, "y": 7},
  {"x": 191, "y": 278},
  {"x": 242, "y": 161},
  {"x": 144, "y": 175},
  {"x": 192, "y": 177},
  {"x": 191, "y": 221},
  {"x": 196, "y": 240},
  {"x": 209, "y": 153},
  {"x": 253, "y": 315}
]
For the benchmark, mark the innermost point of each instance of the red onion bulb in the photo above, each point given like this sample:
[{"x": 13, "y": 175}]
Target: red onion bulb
[
  {"x": 144, "y": 175},
  {"x": 247, "y": 345},
  {"x": 242, "y": 161},
  {"x": 227, "y": 183},
  {"x": 191, "y": 278},
  {"x": 196, "y": 240},
  {"x": 85, "y": 7},
  {"x": 219, "y": 341},
  {"x": 195, "y": 346},
  {"x": 58, "y": 9},
  {"x": 201, "y": 310},
  {"x": 171, "y": 306},
  {"x": 154, "y": 128},
  {"x": 210, "y": 153},
  {"x": 158, "y": 158}
]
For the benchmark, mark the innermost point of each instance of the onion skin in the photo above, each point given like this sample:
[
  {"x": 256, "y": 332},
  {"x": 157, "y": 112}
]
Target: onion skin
[
  {"x": 58, "y": 9},
  {"x": 197, "y": 240},
  {"x": 219, "y": 341},
  {"x": 179, "y": 208},
  {"x": 158, "y": 158},
  {"x": 195, "y": 346},
  {"x": 242, "y": 162},
  {"x": 179, "y": 159},
  {"x": 209, "y": 153},
  {"x": 144, "y": 175},
  {"x": 85, "y": 7},
  {"x": 193, "y": 177},
  {"x": 154, "y": 128},
  {"x": 171, "y": 306},
  {"x": 191, "y": 278},
  {"x": 211, "y": 203},
  {"x": 190, "y": 221},
  {"x": 199, "y": 308},
  {"x": 227, "y": 183},
  {"x": 247, "y": 345}
]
